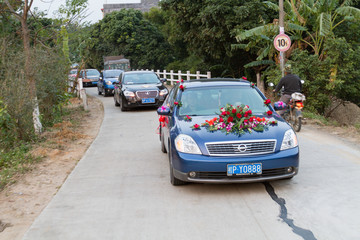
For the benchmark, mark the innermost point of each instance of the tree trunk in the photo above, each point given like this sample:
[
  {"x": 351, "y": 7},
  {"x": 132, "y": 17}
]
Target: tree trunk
[
  {"x": 260, "y": 84},
  {"x": 29, "y": 71}
]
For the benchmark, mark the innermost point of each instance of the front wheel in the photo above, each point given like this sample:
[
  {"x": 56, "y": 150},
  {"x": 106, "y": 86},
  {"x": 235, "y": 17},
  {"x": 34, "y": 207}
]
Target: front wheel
[
  {"x": 173, "y": 180},
  {"x": 295, "y": 122}
]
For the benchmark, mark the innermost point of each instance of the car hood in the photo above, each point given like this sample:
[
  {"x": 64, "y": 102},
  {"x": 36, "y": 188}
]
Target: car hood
[
  {"x": 142, "y": 87},
  {"x": 203, "y": 135},
  {"x": 92, "y": 77},
  {"x": 111, "y": 79}
]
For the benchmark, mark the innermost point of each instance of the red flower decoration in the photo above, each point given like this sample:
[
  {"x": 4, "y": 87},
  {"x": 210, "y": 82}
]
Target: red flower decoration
[
  {"x": 234, "y": 110},
  {"x": 267, "y": 101},
  {"x": 269, "y": 112},
  {"x": 221, "y": 120},
  {"x": 176, "y": 103},
  {"x": 182, "y": 80},
  {"x": 224, "y": 113},
  {"x": 161, "y": 119},
  {"x": 239, "y": 115},
  {"x": 196, "y": 126},
  {"x": 230, "y": 119},
  {"x": 245, "y": 78},
  {"x": 181, "y": 87},
  {"x": 187, "y": 118}
]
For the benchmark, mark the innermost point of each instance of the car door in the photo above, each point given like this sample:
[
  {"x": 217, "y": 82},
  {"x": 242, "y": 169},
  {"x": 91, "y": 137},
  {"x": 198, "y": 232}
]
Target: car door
[{"x": 169, "y": 120}]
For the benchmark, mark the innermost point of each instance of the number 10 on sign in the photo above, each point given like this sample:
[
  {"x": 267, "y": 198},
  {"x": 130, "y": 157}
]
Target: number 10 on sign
[{"x": 282, "y": 42}]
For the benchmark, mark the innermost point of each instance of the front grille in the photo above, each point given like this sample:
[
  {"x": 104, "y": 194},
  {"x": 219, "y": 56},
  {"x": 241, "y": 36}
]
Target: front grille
[
  {"x": 223, "y": 175},
  {"x": 147, "y": 94},
  {"x": 241, "y": 147}
]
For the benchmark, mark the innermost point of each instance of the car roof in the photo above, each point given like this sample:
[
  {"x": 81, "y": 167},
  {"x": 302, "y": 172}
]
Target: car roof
[
  {"x": 213, "y": 82},
  {"x": 135, "y": 72}
]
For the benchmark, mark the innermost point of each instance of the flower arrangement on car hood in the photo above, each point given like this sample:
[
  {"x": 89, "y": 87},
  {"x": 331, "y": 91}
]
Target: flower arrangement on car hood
[{"x": 237, "y": 120}]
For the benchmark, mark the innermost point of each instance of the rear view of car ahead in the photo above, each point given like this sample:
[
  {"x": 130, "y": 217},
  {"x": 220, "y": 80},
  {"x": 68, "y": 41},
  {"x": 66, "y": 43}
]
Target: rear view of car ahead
[
  {"x": 225, "y": 131},
  {"x": 90, "y": 77},
  {"x": 139, "y": 89},
  {"x": 105, "y": 84}
]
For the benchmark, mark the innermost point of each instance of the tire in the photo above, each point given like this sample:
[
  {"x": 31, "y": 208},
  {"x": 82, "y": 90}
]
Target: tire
[
  {"x": 122, "y": 107},
  {"x": 104, "y": 92},
  {"x": 163, "y": 148},
  {"x": 116, "y": 102},
  {"x": 297, "y": 124},
  {"x": 173, "y": 180}
]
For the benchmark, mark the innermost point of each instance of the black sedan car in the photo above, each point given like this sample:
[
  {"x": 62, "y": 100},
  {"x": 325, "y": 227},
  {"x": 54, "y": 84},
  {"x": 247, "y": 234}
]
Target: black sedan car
[{"x": 138, "y": 89}]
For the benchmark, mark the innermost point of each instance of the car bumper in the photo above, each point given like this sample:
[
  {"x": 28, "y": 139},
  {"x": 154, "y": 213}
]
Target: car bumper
[
  {"x": 208, "y": 169},
  {"x": 135, "y": 102}
]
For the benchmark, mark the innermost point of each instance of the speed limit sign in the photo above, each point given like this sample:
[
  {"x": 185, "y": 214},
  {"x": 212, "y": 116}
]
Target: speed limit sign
[{"x": 282, "y": 42}]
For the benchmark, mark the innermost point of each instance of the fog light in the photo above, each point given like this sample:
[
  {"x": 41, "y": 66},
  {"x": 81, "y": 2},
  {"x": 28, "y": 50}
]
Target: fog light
[
  {"x": 289, "y": 169},
  {"x": 192, "y": 174}
]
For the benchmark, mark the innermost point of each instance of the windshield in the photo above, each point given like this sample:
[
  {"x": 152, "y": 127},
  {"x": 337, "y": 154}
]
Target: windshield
[
  {"x": 141, "y": 78},
  {"x": 92, "y": 72},
  {"x": 112, "y": 73},
  {"x": 208, "y": 101}
]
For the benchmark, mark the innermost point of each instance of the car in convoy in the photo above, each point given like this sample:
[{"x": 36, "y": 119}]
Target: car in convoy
[
  {"x": 105, "y": 84},
  {"x": 72, "y": 74},
  {"x": 139, "y": 89},
  {"x": 90, "y": 77},
  {"x": 225, "y": 131}
]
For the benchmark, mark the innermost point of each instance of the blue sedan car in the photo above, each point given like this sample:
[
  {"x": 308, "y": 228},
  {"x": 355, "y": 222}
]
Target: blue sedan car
[
  {"x": 106, "y": 83},
  {"x": 225, "y": 131}
]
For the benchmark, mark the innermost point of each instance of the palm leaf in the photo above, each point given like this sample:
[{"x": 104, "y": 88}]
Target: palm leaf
[
  {"x": 238, "y": 46},
  {"x": 296, "y": 27},
  {"x": 349, "y": 11},
  {"x": 257, "y": 31},
  {"x": 259, "y": 63},
  {"x": 272, "y": 6},
  {"x": 324, "y": 24},
  {"x": 264, "y": 53}
]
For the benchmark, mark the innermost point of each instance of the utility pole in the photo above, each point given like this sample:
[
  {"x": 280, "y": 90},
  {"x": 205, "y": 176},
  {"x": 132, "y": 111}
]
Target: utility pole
[{"x": 281, "y": 31}]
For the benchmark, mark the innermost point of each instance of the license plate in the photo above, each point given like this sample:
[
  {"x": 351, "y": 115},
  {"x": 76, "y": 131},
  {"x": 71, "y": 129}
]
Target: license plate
[
  {"x": 244, "y": 169},
  {"x": 148, "y": 100}
]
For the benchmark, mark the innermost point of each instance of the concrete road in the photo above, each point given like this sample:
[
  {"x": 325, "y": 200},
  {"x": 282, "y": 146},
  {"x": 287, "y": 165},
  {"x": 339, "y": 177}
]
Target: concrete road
[{"x": 120, "y": 190}]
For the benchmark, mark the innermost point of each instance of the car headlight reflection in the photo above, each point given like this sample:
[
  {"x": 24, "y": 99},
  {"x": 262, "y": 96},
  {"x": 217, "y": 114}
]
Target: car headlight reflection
[
  {"x": 129, "y": 94},
  {"x": 289, "y": 140},
  {"x": 186, "y": 144},
  {"x": 163, "y": 92},
  {"x": 109, "y": 83}
]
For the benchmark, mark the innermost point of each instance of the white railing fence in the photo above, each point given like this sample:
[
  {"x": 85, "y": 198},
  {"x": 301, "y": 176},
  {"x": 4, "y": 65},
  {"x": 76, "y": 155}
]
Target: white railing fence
[{"x": 172, "y": 76}]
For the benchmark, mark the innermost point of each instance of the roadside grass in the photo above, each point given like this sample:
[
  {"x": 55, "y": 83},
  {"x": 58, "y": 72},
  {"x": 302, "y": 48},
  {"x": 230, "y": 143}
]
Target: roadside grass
[
  {"x": 319, "y": 119},
  {"x": 18, "y": 160}
]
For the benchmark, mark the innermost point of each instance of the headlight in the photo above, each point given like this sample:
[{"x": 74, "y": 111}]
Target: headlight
[
  {"x": 163, "y": 92},
  {"x": 129, "y": 94},
  {"x": 109, "y": 82},
  {"x": 186, "y": 144},
  {"x": 289, "y": 140}
]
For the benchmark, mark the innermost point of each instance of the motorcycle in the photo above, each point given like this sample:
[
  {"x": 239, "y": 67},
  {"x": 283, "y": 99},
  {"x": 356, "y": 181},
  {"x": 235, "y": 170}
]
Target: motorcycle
[{"x": 293, "y": 112}]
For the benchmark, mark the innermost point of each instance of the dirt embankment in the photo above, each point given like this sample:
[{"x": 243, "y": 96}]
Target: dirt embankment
[{"x": 65, "y": 144}]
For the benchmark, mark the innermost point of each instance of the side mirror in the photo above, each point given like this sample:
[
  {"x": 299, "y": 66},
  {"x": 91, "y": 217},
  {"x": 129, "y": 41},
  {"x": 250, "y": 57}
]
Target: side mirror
[
  {"x": 163, "y": 110},
  {"x": 163, "y": 80},
  {"x": 116, "y": 82}
]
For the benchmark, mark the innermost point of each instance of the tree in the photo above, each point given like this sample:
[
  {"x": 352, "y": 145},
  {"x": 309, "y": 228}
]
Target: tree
[
  {"x": 127, "y": 33},
  {"x": 207, "y": 29}
]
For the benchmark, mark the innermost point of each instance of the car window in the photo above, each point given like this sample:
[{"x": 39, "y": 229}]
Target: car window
[
  {"x": 208, "y": 101},
  {"x": 92, "y": 72},
  {"x": 141, "y": 78},
  {"x": 112, "y": 73}
]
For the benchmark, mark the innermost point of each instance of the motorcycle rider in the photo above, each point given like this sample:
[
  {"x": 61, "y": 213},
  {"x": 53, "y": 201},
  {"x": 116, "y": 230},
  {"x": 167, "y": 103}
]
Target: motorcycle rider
[{"x": 291, "y": 83}]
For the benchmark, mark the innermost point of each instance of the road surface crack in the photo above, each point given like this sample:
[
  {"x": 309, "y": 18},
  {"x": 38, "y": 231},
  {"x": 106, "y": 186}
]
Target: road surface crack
[{"x": 304, "y": 233}]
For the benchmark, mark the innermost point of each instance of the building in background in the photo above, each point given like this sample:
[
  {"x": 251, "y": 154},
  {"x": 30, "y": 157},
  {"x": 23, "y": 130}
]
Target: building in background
[{"x": 117, "y": 5}]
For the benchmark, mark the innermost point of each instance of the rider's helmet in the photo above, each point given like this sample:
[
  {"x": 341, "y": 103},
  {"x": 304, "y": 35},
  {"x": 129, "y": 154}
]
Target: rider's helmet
[{"x": 287, "y": 68}]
